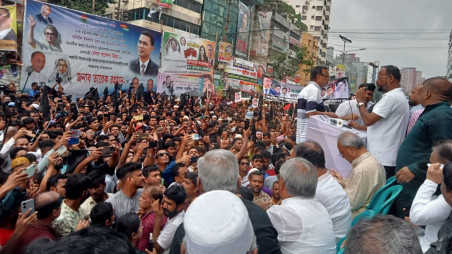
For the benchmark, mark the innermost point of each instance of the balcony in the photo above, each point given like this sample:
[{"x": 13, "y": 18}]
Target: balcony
[{"x": 281, "y": 20}]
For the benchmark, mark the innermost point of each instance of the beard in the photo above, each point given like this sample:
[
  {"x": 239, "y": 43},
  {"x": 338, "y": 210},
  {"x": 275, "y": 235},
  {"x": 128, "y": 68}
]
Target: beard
[
  {"x": 170, "y": 214},
  {"x": 382, "y": 88}
]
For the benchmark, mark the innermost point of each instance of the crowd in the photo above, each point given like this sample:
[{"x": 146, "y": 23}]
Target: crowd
[{"x": 140, "y": 172}]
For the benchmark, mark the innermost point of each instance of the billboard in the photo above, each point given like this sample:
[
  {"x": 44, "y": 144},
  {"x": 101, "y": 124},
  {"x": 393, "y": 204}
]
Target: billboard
[
  {"x": 243, "y": 28},
  {"x": 82, "y": 50},
  {"x": 8, "y": 28},
  {"x": 340, "y": 84},
  {"x": 241, "y": 74},
  {"x": 264, "y": 32},
  {"x": 177, "y": 84},
  {"x": 224, "y": 52},
  {"x": 274, "y": 88},
  {"x": 182, "y": 54}
]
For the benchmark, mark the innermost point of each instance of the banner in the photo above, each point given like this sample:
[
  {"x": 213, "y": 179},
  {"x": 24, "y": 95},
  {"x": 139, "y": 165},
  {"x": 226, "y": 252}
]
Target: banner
[
  {"x": 340, "y": 85},
  {"x": 8, "y": 28},
  {"x": 176, "y": 84},
  {"x": 275, "y": 88},
  {"x": 182, "y": 54},
  {"x": 165, "y": 3},
  {"x": 238, "y": 97},
  {"x": 225, "y": 52},
  {"x": 243, "y": 28},
  {"x": 241, "y": 74},
  {"x": 82, "y": 50},
  {"x": 264, "y": 32}
]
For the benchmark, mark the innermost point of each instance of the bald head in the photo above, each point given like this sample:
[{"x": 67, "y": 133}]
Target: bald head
[
  {"x": 46, "y": 202},
  {"x": 440, "y": 89}
]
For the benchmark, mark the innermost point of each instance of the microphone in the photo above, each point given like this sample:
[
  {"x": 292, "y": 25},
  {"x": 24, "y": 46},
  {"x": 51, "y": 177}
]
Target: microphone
[{"x": 29, "y": 69}]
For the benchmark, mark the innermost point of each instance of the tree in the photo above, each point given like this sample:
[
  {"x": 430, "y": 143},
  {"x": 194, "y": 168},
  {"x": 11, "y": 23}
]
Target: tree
[
  {"x": 284, "y": 66},
  {"x": 84, "y": 6}
]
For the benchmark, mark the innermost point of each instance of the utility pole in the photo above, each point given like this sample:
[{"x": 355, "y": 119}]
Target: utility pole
[
  {"x": 93, "y": 8},
  {"x": 226, "y": 25},
  {"x": 345, "y": 41}
]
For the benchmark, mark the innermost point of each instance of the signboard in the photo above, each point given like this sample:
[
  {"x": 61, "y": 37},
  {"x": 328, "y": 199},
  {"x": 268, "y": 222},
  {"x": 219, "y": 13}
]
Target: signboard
[
  {"x": 82, "y": 50},
  {"x": 182, "y": 54},
  {"x": 165, "y": 3},
  {"x": 238, "y": 97},
  {"x": 275, "y": 88},
  {"x": 177, "y": 84},
  {"x": 243, "y": 29},
  {"x": 340, "y": 84},
  {"x": 224, "y": 52},
  {"x": 8, "y": 28},
  {"x": 264, "y": 25}
]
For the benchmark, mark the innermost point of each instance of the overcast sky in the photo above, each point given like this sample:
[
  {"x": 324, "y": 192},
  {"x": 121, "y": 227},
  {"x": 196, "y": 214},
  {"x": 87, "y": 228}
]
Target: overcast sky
[{"x": 405, "y": 33}]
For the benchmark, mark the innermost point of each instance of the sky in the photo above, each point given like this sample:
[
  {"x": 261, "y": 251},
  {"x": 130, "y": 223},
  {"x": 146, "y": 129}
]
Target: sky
[{"x": 404, "y": 33}]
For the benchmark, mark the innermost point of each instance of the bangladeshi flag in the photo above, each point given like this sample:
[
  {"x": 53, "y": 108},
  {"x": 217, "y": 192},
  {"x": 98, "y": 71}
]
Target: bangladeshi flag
[{"x": 165, "y": 3}]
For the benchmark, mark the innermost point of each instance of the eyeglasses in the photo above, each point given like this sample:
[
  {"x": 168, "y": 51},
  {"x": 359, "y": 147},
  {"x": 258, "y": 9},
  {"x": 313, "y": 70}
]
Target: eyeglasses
[
  {"x": 163, "y": 154},
  {"x": 379, "y": 77},
  {"x": 49, "y": 33},
  {"x": 243, "y": 163}
]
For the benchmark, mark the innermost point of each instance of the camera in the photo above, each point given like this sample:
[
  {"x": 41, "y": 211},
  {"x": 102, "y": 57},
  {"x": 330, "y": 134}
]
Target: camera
[{"x": 58, "y": 79}]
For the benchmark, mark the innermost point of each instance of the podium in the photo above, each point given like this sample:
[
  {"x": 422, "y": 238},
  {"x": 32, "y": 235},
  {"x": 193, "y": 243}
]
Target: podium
[{"x": 323, "y": 132}]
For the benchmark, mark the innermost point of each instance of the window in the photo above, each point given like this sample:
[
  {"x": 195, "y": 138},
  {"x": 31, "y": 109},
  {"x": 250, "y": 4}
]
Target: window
[
  {"x": 317, "y": 28},
  {"x": 319, "y": 8},
  {"x": 318, "y": 18},
  {"x": 303, "y": 17}
]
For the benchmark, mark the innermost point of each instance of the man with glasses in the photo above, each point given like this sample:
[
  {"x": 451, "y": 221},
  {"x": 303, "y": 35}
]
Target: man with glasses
[
  {"x": 310, "y": 101},
  {"x": 388, "y": 121},
  {"x": 367, "y": 177},
  {"x": 244, "y": 166}
]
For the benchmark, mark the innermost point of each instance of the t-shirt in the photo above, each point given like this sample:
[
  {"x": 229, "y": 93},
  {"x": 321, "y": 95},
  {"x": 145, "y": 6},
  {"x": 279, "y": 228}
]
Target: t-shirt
[
  {"x": 385, "y": 136},
  {"x": 309, "y": 100},
  {"x": 123, "y": 204},
  {"x": 167, "y": 234}
]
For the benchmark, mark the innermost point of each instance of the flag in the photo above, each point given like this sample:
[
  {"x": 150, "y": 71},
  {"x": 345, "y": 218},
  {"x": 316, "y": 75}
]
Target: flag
[
  {"x": 140, "y": 92},
  {"x": 105, "y": 94},
  {"x": 96, "y": 95}
]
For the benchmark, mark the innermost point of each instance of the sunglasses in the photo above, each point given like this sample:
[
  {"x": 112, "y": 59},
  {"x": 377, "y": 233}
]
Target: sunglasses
[
  {"x": 163, "y": 154},
  {"x": 243, "y": 163}
]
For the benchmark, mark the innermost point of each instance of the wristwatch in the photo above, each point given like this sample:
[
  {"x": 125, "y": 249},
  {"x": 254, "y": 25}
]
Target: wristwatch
[{"x": 359, "y": 104}]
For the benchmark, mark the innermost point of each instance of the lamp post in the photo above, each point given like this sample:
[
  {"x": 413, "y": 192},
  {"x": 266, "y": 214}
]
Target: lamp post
[{"x": 345, "y": 41}]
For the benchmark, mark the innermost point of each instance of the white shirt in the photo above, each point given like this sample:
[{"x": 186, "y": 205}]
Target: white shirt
[
  {"x": 333, "y": 197},
  {"x": 37, "y": 77},
  {"x": 385, "y": 136},
  {"x": 426, "y": 210},
  {"x": 304, "y": 226},
  {"x": 309, "y": 100},
  {"x": 347, "y": 108},
  {"x": 167, "y": 234}
]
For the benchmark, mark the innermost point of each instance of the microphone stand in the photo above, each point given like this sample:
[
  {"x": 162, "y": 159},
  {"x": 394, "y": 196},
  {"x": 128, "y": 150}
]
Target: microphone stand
[{"x": 26, "y": 81}]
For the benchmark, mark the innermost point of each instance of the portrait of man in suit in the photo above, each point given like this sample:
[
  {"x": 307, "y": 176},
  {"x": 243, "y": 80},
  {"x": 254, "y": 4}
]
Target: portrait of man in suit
[
  {"x": 144, "y": 66},
  {"x": 210, "y": 56},
  {"x": 43, "y": 17},
  {"x": 267, "y": 83},
  {"x": 6, "y": 33}
]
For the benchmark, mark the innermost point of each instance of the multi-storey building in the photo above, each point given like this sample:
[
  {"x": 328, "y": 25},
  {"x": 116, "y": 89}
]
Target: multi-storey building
[
  {"x": 182, "y": 15},
  {"x": 408, "y": 79},
  {"x": 316, "y": 15},
  {"x": 449, "y": 59},
  {"x": 310, "y": 44}
]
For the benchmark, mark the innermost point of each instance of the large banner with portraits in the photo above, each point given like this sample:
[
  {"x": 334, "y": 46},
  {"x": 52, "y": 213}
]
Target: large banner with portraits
[
  {"x": 79, "y": 50},
  {"x": 241, "y": 74},
  {"x": 188, "y": 62},
  {"x": 243, "y": 30},
  {"x": 8, "y": 28},
  {"x": 273, "y": 88}
]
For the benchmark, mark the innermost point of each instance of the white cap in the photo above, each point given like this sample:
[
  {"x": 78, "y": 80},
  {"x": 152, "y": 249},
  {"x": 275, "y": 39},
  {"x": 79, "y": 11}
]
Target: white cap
[
  {"x": 218, "y": 222},
  {"x": 36, "y": 106},
  {"x": 238, "y": 136}
]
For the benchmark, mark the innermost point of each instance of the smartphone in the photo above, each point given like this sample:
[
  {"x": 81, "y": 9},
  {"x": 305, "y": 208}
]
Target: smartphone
[
  {"x": 75, "y": 132},
  {"x": 195, "y": 137},
  {"x": 26, "y": 205},
  {"x": 194, "y": 160},
  {"x": 30, "y": 170},
  {"x": 142, "y": 136},
  {"x": 247, "y": 124},
  {"x": 152, "y": 144},
  {"x": 73, "y": 141},
  {"x": 138, "y": 118},
  {"x": 61, "y": 150},
  {"x": 107, "y": 150}
]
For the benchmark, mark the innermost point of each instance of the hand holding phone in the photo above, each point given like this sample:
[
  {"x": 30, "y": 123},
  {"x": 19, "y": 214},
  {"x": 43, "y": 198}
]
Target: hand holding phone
[
  {"x": 26, "y": 205},
  {"x": 30, "y": 170}
]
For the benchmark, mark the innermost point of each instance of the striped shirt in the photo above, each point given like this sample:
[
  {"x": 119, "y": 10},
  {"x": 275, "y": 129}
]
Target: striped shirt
[
  {"x": 309, "y": 100},
  {"x": 413, "y": 119}
]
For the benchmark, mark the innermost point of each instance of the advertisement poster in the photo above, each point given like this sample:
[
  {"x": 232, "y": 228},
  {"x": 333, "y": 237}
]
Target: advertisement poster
[
  {"x": 243, "y": 28},
  {"x": 225, "y": 52},
  {"x": 80, "y": 50},
  {"x": 255, "y": 103},
  {"x": 8, "y": 28},
  {"x": 165, "y": 3},
  {"x": 238, "y": 97},
  {"x": 276, "y": 89}
]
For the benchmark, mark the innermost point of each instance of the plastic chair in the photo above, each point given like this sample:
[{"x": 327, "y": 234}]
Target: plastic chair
[
  {"x": 389, "y": 182},
  {"x": 368, "y": 214},
  {"x": 383, "y": 201}
]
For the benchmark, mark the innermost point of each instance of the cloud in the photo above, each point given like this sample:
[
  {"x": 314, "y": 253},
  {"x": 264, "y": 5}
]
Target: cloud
[{"x": 406, "y": 33}]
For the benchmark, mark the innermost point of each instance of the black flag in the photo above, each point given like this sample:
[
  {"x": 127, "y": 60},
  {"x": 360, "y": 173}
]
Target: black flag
[{"x": 44, "y": 103}]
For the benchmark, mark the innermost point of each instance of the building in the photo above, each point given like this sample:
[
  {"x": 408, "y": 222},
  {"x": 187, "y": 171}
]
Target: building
[
  {"x": 182, "y": 15},
  {"x": 215, "y": 16},
  {"x": 449, "y": 59},
  {"x": 410, "y": 77},
  {"x": 316, "y": 15},
  {"x": 310, "y": 44}
]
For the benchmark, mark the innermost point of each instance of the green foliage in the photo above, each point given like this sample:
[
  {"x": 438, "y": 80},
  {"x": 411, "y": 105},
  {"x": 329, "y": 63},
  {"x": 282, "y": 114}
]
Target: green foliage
[
  {"x": 84, "y": 6},
  {"x": 286, "y": 66},
  {"x": 287, "y": 10}
]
